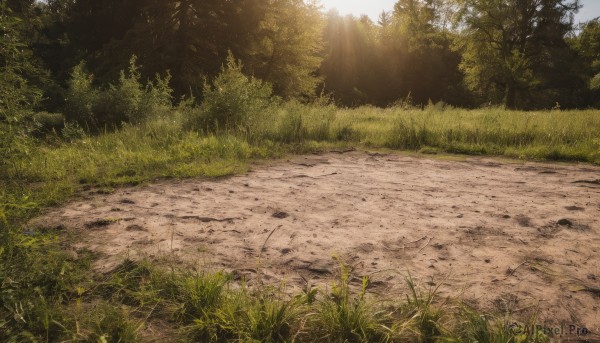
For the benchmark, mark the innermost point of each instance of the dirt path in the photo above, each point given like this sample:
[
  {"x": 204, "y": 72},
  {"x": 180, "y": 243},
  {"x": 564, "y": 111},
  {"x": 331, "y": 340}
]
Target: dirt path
[{"x": 500, "y": 235}]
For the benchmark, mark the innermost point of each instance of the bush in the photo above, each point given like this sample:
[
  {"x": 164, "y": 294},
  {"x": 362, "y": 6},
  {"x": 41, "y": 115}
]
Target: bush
[
  {"x": 128, "y": 101},
  {"x": 17, "y": 95},
  {"x": 46, "y": 122},
  {"x": 233, "y": 102},
  {"x": 14, "y": 144},
  {"x": 81, "y": 97},
  {"x": 133, "y": 102},
  {"x": 72, "y": 131}
]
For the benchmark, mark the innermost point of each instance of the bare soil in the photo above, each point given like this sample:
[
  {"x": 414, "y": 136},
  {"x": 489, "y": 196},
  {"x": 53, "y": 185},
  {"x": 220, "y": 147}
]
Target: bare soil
[{"x": 501, "y": 235}]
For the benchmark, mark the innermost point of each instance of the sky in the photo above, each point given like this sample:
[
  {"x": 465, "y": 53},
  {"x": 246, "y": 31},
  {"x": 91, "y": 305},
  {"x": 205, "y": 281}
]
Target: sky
[{"x": 590, "y": 10}]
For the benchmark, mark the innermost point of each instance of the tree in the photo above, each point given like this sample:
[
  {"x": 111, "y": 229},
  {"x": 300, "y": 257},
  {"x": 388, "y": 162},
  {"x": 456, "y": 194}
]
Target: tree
[
  {"x": 429, "y": 66},
  {"x": 407, "y": 53},
  {"x": 514, "y": 47},
  {"x": 278, "y": 40},
  {"x": 284, "y": 44},
  {"x": 587, "y": 45}
]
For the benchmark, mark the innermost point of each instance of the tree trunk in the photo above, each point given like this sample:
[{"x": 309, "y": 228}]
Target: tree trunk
[{"x": 510, "y": 96}]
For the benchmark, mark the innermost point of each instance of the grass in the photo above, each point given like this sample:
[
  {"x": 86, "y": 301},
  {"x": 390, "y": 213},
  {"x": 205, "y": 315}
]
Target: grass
[
  {"x": 549, "y": 135},
  {"x": 56, "y": 297}
]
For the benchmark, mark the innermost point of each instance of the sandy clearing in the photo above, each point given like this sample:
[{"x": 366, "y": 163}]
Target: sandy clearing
[{"x": 486, "y": 229}]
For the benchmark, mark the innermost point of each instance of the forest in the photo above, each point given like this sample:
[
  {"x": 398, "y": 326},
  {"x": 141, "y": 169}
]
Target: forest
[
  {"x": 521, "y": 54},
  {"x": 98, "y": 95}
]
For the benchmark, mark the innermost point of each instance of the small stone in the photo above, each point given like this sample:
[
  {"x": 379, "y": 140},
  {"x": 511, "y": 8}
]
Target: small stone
[
  {"x": 280, "y": 215},
  {"x": 564, "y": 222},
  {"x": 321, "y": 266}
]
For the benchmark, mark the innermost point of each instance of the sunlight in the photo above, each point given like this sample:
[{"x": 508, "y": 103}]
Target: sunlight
[{"x": 372, "y": 8}]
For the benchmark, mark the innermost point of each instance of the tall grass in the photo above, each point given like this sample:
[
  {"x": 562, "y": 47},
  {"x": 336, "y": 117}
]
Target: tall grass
[{"x": 552, "y": 135}]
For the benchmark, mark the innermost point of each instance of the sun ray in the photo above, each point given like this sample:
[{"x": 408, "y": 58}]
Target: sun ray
[{"x": 372, "y": 8}]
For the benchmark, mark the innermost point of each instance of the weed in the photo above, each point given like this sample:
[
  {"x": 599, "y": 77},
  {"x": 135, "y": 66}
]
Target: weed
[{"x": 344, "y": 317}]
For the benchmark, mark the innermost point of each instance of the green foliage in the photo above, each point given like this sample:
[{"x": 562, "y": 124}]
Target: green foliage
[
  {"x": 109, "y": 323},
  {"x": 406, "y": 135},
  {"x": 128, "y": 101},
  {"x": 595, "y": 82},
  {"x": 48, "y": 122},
  {"x": 476, "y": 327},
  {"x": 17, "y": 96},
  {"x": 425, "y": 317},
  {"x": 511, "y": 49},
  {"x": 588, "y": 46},
  {"x": 344, "y": 317},
  {"x": 234, "y": 102},
  {"x": 81, "y": 97},
  {"x": 32, "y": 299},
  {"x": 72, "y": 131},
  {"x": 286, "y": 50},
  {"x": 409, "y": 52},
  {"x": 292, "y": 128},
  {"x": 298, "y": 123},
  {"x": 254, "y": 317},
  {"x": 134, "y": 101},
  {"x": 278, "y": 40}
]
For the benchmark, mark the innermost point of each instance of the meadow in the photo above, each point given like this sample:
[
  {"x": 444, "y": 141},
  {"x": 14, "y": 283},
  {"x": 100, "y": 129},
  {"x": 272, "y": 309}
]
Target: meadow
[{"x": 50, "y": 295}]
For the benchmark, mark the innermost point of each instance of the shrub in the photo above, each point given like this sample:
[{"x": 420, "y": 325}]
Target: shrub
[
  {"x": 72, "y": 131},
  {"x": 133, "y": 102},
  {"x": 128, "y": 101},
  {"x": 233, "y": 102},
  {"x": 81, "y": 97},
  {"x": 46, "y": 122},
  {"x": 17, "y": 96},
  {"x": 14, "y": 144}
]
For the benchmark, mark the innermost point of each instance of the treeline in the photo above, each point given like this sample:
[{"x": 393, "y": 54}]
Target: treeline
[{"x": 524, "y": 54}]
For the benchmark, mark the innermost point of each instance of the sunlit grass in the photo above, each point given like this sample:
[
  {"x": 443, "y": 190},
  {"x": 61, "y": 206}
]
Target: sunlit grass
[{"x": 552, "y": 135}]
